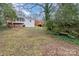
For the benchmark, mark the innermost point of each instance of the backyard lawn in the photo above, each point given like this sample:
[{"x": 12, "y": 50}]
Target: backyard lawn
[{"x": 31, "y": 41}]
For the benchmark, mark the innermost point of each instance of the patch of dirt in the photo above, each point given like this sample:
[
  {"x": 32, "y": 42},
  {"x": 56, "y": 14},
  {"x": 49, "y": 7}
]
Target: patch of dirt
[{"x": 60, "y": 48}]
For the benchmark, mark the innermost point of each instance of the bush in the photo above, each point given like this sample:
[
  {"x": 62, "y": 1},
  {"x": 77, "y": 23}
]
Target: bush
[
  {"x": 56, "y": 28},
  {"x": 49, "y": 25},
  {"x": 52, "y": 26}
]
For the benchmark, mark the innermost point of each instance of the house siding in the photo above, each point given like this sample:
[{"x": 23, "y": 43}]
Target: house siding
[{"x": 29, "y": 23}]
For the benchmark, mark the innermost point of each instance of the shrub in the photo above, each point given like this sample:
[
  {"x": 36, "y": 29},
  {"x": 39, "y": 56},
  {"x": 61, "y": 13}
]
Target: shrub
[{"x": 52, "y": 26}]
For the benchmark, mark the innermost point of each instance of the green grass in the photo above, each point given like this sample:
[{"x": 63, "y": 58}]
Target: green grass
[
  {"x": 65, "y": 38},
  {"x": 70, "y": 40}
]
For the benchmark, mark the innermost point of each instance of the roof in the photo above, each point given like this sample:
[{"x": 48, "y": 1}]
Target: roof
[{"x": 37, "y": 22}]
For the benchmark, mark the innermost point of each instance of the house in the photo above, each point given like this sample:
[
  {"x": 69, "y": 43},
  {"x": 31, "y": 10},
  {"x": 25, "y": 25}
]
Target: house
[{"x": 23, "y": 20}]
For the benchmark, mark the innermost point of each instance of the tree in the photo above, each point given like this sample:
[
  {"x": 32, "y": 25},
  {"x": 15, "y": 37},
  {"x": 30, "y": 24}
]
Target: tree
[
  {"x": 1, "y": 14},
  {"x": 6, "y": 11},
  {"x": 67, "y": 15},
  {"x": 47, "y": 8},
  {"x": 66, "y": 19},
  {"x": 9, "y": 11}
]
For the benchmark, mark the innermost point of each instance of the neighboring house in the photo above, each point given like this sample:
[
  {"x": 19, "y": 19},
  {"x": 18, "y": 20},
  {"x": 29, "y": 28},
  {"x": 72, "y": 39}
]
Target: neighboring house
[
  {"x": 23, "y": 20},
  {"x": 39, "y": 23}
]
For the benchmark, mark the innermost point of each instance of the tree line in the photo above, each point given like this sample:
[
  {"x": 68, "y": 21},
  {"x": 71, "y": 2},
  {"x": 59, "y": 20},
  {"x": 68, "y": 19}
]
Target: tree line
[{"x": 66, "y": 20}]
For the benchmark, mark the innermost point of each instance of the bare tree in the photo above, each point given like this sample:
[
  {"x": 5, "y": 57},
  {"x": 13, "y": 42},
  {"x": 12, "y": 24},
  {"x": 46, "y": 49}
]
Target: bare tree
[{"x": 46, "y": 8}]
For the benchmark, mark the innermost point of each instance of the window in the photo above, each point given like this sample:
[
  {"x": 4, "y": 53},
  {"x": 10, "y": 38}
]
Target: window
[
  {"x": 17, "y": 19},
  {"x": 30, "y": 20},
  {"x": 21, "y": 19}
]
